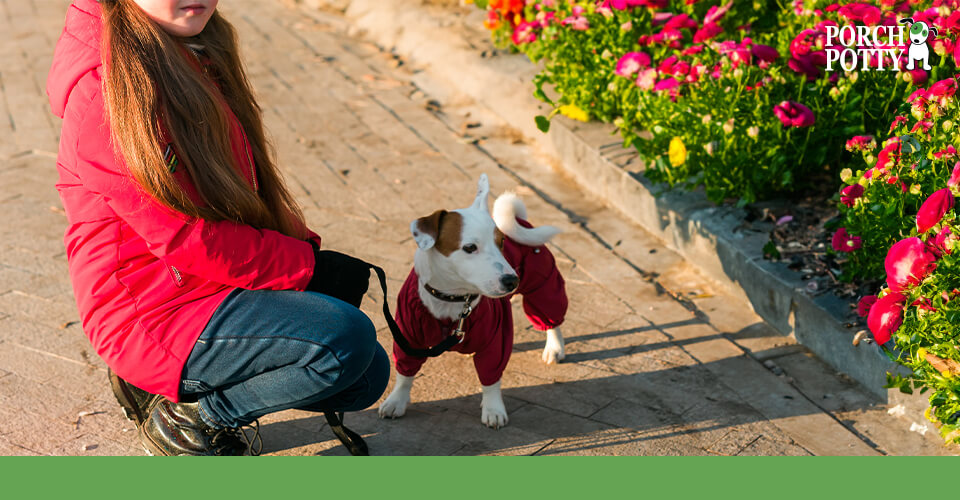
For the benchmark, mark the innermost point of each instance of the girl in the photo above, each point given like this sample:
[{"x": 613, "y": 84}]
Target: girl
[{"x": 194, "y": 273}]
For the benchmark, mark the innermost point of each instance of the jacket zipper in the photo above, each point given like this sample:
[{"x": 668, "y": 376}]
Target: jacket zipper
[{"x": 177, "y": 277}]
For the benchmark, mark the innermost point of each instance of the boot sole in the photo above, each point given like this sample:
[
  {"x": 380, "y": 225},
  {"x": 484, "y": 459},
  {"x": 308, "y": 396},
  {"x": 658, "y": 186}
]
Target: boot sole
[{"x": 125, "y": 399}]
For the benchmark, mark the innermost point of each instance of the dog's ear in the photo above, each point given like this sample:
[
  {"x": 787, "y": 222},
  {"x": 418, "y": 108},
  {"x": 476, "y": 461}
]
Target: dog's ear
[
  {"x": 426, "y": 229},
  {"x": 934, "y": 32},
  {"x": 483, "y": 191},
  {"x": 906, "y": 20}
]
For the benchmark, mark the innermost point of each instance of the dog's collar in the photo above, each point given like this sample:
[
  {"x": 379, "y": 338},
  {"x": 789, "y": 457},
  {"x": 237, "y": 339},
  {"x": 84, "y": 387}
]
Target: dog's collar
[{"x": 446, "y": 297}]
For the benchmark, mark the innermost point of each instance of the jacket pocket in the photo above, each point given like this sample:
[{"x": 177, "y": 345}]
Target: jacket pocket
[{"x": 175, "y": 276}]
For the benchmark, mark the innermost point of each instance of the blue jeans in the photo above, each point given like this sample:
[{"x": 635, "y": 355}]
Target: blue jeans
[{"x": 264, "y": 351}]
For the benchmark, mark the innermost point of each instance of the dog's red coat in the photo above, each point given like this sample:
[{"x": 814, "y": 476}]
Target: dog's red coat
[{"x": 489, "y": 329}]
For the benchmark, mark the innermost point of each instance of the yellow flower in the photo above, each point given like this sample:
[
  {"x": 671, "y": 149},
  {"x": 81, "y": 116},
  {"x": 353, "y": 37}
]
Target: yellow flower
[
  {"x": 921, "y": 353},
  {"x": 677, "y": 152},
  {"x": 572, "y": 111}
]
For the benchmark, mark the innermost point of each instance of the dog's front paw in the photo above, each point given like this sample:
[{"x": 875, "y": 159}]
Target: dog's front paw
[
  {"x": 494, "y": 414},
  {"x": 553, "y": 349},
  {"x": 395, "y": 406}
]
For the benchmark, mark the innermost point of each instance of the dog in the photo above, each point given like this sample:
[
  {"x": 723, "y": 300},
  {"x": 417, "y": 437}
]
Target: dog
[
  {"x": 918, "y": 51},
  {"x": 467, "y": 266}
]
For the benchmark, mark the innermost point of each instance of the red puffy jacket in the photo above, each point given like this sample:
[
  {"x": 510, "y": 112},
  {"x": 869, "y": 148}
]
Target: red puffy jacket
[{"x": 146, "y": 278}]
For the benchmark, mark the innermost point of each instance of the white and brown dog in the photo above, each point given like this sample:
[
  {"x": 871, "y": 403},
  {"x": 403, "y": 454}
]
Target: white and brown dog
[{"x": 467, "y": 267}]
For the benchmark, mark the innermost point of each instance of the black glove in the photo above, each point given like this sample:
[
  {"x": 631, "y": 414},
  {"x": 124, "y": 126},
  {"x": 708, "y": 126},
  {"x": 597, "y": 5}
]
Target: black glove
[{"x": 339, "y": 275}]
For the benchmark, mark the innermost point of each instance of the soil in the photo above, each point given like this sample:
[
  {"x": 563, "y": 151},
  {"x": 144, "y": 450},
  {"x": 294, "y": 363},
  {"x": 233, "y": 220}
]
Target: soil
[{"x": 798, "y": 229}]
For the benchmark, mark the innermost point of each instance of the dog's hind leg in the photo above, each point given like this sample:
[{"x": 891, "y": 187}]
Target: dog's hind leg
[
  {"x": 553, "y": 350},
  {"x": 395, "y": 406}
]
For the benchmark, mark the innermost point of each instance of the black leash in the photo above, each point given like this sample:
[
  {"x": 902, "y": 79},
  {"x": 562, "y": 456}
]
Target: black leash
[
  {"x": 455, "y": 338},
  {"x": 353, "y": 441}
]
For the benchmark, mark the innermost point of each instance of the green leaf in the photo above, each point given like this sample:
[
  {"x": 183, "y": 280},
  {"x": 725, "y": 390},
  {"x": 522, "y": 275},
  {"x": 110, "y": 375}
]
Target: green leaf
[
  {"x": 542, "y": 123},
  {"x": 770, "y": 251}
]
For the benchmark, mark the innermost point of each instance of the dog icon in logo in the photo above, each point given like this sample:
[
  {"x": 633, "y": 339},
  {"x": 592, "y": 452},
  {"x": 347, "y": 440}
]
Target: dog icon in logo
[{"x": 918, "y": 51}]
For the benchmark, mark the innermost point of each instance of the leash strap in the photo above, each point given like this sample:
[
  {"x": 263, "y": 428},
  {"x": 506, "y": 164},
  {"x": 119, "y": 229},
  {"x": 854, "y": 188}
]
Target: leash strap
[
  {"x": 351, "y": 440},
  {"x": 398, "y": 337}
]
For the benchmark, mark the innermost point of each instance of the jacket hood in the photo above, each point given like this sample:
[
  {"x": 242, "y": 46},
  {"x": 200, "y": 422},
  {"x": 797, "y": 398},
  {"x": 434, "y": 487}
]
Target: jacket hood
[{"x": 77, "y": 52}]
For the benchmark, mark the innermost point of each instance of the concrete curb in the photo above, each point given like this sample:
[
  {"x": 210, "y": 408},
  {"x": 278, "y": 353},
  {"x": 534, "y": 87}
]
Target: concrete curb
[{"x": 704, "y": 234}]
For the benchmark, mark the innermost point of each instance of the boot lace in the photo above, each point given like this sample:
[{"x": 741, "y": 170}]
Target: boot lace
[{"x": 233, "y": 438}]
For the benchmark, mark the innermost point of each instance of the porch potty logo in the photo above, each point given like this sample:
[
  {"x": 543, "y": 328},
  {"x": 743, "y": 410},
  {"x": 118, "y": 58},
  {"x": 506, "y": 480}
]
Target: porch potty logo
[{"x": 866, "y": 47}]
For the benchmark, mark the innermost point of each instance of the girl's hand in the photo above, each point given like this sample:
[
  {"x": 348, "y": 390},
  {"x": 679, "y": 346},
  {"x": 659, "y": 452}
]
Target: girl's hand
[{"x": 339, "y": 275}]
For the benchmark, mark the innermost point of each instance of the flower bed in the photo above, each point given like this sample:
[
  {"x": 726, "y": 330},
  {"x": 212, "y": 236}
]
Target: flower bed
[
  {"x": 737, "y": 98},
  {"x": 734, "y": 97}
]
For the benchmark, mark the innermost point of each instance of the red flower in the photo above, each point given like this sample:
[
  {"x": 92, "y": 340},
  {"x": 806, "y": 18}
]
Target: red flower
[
  {"x": 764, "y": 53},
  {"x": 850, "y": 194},
  {"x": 631, "y": 63},
  {"x": 863, "y": 307},
  {"x": 950, "y": 152},
  {"x": 944, "y": 88},
  {"x": 890, "y": 155},
  {"x": 716, "y": 13},
  {"x": 843, "y": 242},
  {"x": 667, "y": 83},
  {"x": 868, "y": 14},
  {"x": 933, "y": 209},
  {"x": 707, "y": 32},
  {"x": 954, "y": 176},
  {"x": 897, "y": 121},
  {"x": 679, "y": 22},
  {"x": 886, "y": 316},
  {"x": 794, "y": 114},
  {"x": 907, "y": 263},
  {"x": 939, "y": 244},
  {"x": 861, "y": 143}
]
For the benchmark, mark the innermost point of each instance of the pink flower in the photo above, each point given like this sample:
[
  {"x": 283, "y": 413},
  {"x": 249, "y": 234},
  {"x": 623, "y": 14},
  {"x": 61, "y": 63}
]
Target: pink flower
[
  {"x": 850, "y": 194},
  {"x": 764, "y": 53},
  {"x": 943, "y": 88},
  {"x": 933, "y": 209},
  {"x": 939, "y": 245},
  {"x": 577, "y": 21},
  {"x": 918, "y": 76},
  {"x": 666, "y": 84},
  {"x": 809, "y": 64},
  {"x": 886, "y": 316},
  {"x": 716, "y": 13},
  {"x": 647, "y": 78},
  {"x": 897, "y": 121},
  {"x": 890, "y": 155},
  {"x": 794, "y": 114},
  {"x": 707, "y": 32},
  {"x": 680, "y": 22},
  {"x": 525, "y": 33},
  {"x": 861, "y": 143},
  {"x": 908, "y": 262},
  {"x": 868, "y": 14},
  {"x": 631, "y": 63},
  {"x": 843, "y": 242},
  {"x": 863, "y": 307},
  {"x": 955, "y": 176},
  {"x": 947, "y": 153}
]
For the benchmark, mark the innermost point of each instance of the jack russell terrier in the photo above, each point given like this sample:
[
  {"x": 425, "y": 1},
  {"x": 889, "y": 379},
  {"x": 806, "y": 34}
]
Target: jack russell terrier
[{"x": 467, "y": 267}]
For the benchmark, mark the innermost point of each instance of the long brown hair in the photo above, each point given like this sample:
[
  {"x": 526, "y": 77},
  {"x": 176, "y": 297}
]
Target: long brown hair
[{"x": 152, "y": 83}]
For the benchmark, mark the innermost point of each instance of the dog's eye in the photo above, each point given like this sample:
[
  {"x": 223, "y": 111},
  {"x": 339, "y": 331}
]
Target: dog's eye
[{"x": 470, "y": 248}]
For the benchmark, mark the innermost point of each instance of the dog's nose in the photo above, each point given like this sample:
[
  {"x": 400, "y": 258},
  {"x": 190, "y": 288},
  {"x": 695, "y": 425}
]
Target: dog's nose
[{"x": 509, "y": 281}]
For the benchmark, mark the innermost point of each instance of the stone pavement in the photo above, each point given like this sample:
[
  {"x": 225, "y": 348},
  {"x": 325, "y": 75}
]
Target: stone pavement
[{"x": 658, "y": 361}]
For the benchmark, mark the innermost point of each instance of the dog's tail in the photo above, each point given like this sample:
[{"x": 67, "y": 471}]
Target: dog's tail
[{"x": 505, "y": 212}]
